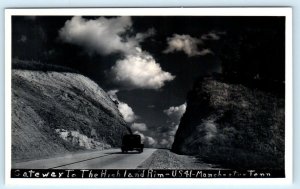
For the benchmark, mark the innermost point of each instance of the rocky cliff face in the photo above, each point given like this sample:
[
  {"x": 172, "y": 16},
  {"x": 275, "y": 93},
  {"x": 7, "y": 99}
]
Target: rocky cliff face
[
  {"x": 232, "y": 125},
  {"x": 59, "y": 112}
]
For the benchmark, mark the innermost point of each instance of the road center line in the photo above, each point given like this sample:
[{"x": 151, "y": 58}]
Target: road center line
[{"x": 79, "y": 161}]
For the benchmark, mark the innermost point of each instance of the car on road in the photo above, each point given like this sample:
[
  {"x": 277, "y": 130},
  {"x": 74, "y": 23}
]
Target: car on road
[{"x": 132, "y": 142}]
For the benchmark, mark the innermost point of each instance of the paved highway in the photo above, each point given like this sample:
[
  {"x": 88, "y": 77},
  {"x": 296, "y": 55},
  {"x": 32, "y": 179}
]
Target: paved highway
[{"x": 106, "y": 159}]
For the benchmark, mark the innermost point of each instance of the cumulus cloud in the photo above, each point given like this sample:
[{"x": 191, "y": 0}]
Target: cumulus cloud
[
  {"x": 125, "y": 110},
  {"x": 137, "y": 68},
  {"x": 176, "y": 112},
  {"x": 142, "y": 36},
  {"x": 150, "y": 141},
  {"x": 164, "y": 142},
  {"x": 185, "y": 43},
  {"x": 168, "y": 131},
  {"x": 147, "y": 140},
  {"x": 140, "y": 71},
  {"x": 101, "y": 35},
  {"x": 139, "y": 126},
  {"x": 173, "y": 130},
  {"x": 165, "y": 135},
  {"x": 113, "y": 94}
]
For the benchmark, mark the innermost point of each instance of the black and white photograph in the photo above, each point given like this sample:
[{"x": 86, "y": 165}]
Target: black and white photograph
[{"x": 148, "y": 96}]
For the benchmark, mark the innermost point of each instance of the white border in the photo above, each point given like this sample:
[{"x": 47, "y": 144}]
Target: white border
[{"x": 287, "y": 12}]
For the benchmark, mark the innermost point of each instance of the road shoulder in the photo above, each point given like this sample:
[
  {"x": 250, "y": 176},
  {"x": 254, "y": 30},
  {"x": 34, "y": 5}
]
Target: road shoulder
[{"x": 165, "y": 159}]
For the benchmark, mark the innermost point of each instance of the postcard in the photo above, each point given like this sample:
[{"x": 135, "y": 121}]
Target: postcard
[{"x": 179, "y": 95}]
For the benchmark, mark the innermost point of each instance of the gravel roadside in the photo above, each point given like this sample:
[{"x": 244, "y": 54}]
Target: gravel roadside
[{"x": 165, "y": 159}]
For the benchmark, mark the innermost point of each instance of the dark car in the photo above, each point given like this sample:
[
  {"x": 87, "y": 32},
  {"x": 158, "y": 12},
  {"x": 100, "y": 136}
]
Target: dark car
[{"x": 132, "y": 142}]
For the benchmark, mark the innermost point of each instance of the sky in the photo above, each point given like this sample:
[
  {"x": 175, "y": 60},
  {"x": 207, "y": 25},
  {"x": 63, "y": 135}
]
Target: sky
[{"x": 148, "y": 64}]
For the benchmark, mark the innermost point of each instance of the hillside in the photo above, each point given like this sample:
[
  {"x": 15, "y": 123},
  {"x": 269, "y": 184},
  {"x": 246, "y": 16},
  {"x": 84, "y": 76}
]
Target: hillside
[
  {"x": 232, "y": 125},
  {"x": 61, "y": 112}
]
